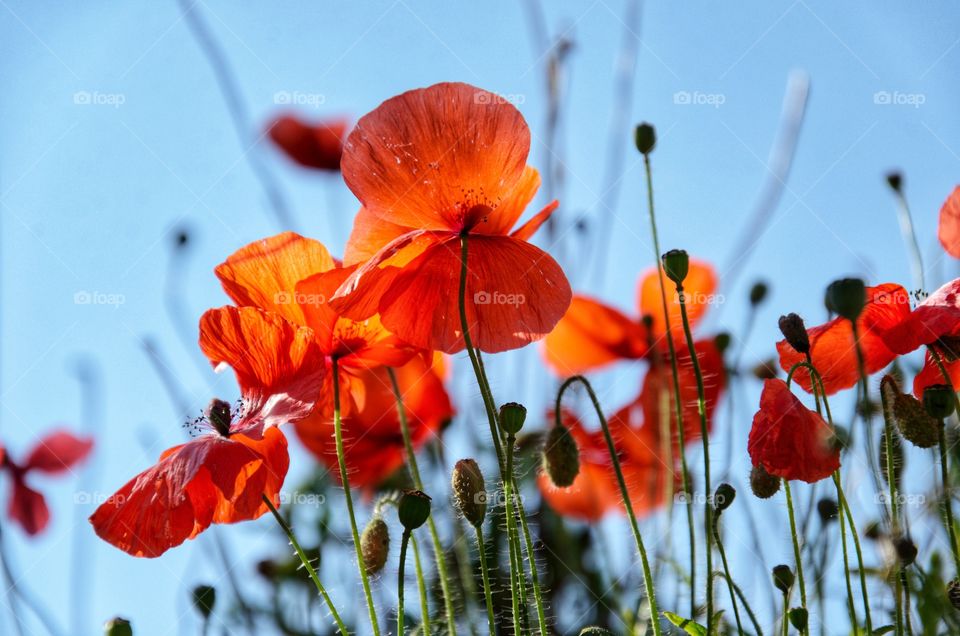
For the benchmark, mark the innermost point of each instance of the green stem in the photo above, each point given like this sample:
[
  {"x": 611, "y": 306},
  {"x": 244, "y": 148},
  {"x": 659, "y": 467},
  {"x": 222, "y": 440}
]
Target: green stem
[
  {"x": 786, "y": 610},
  {"x": 705, "y": 438},
  {"x": 677, "y": 398},
  {"x": 796, "y": 547},
  {"x": 345, "y": 480},
  {"x": 611, "y": 448},
  {"x": 947, "y": 505},
  {"x": 403, "y": 558},
  {"x": 846, "y": 567},
  {"x": 487, "y": 594},
  {"x": 746, "y": 606},
  {"x": 307, "y": 565},
  {"x": 894, "y": 499},
  {"x": 726, "y": 573},
  {"x": 438, "y": 551},
  {"x": 422, "y": 587}
]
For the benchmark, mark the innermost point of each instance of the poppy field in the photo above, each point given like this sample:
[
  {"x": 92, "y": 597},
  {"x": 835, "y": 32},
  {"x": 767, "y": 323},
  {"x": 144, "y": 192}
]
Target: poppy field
[{"x": 396, "y": 366}]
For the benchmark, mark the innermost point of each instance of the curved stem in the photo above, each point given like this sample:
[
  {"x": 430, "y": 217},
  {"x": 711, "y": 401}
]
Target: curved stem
[
  {"x": 405, "y": 539},
  {"x": 422, "y": 588},
  {"x": 345, "y": 480},
  {"x": 484, "y": 571},
  {"x": 726, "y": 573},
  {"x": 746, "y": 606},
  {"x": 306, "y": 565},
  {"x": 796, "y": 547},
  {"x": 438, "y": 552},
  {"x": 611, "y": 448}
]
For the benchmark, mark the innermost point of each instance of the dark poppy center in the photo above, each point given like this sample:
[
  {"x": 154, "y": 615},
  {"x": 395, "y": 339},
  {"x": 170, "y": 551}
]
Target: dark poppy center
[{"x": 219, "y": 416}]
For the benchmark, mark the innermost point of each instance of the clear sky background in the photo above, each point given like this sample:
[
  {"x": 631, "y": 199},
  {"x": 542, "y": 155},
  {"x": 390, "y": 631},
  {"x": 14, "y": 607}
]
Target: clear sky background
[{"x": 113, "y": 135}]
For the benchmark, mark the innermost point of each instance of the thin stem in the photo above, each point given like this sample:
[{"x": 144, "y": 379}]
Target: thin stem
[
  {"x": 726, "y": 573},
  {"x": 786, "y": 609},
  {"x": 746, "y": 606},
  {"x": 910, "y": 238},
  {"x": 947, "y": 505},
  {"x": 422, "y": 587},
  {"x": 677, "y": 398},
  {"x": 894, "y": 500},
  {"x": 487, "y": 594},
  {"x": 906, "y": 602},
  {"x": 438, "y": 551},
  {"x": 611, "y": 447},
  {"x": 345, "y": 480},
  {"x": 405, "y": 539},
  {"x": 845, "y": 507},
  {"x": 846, "y": 568},
  {"x": 306, "y": 565},
  {"x": 796, "y": 547}
]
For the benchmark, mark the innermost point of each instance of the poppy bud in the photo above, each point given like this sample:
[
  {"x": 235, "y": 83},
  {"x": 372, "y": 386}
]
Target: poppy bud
[
  {"x": 723, "y": 497},
  {"x": 763, "y": 484},
  {"x": 561, "y": 456},
  {"x": 413, "y": 509},
  {"x": 847, "y": 297},
  {"x": 676, "y": 264},
  {"x": 758, "y": 292},
  {"x": 722, "y": 341},
  {"x": 953, "y": 593},
  {"x": 218, "y": 413},
  {"x": 898, "y": 458},
  {"x": 798, "y": 618},
  {"x": 895, "y": 180},
  {"x": 793, "y": 329},
  {"x": 828, "y": 510},
  {"x": 906, "y": 550},
  {"x": 783, "y": 578},
  {"x": 204, "y": 598},
  {"x": 645, "y": 136},
  {"x": 469, "y": 491},
  {"x": 914, "y": 423},
  {"x": 182, "y": 238},
  {"x": 512, "y": 417},
  {"x": 765, "y": 370},
  {"x": 938, "y": 399},
  {"x": 117, "y": 627},
  {"x": 375, "y": 544},
  {"x": 595, "y": 631},
  {"x": 647, "y": 321}
]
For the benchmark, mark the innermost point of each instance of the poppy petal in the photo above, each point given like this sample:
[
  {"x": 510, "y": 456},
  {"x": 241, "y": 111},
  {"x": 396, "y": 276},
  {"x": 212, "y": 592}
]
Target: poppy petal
[
  {"x": 526, "y": 231},
  {"x": 58, "y": 452},
  {"x": 369, "y": 234},
  {"x": 937, "y": 317},
  {"x": 699, "y": 288},
  {"x": 317, "y": 146},
  {"x": 930, "y": 374},
  {"x": 28, "y": 508},
  {"x": 949, "y": 229},
  {"x": 591, "y": 335},
  {"x": 515, "y": 202}
]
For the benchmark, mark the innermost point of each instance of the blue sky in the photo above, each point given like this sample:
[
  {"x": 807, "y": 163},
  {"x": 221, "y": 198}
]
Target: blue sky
[{"x": 113, "y": 134}]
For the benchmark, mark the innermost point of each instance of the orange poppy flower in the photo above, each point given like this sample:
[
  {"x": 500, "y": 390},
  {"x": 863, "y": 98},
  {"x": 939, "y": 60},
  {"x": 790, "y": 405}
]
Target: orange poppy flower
[
  {"x": 221, "y": 475},
  {"x": 949, "y": 229},
  {"x": 429, "y": 166},
  {"x": 831, "y": 344},
  {"x": 935, "y": 321},
  {"x": 788, "y": 439},
  {"x": 317, "y": 146},
  {"x": 56, "y": 453}
]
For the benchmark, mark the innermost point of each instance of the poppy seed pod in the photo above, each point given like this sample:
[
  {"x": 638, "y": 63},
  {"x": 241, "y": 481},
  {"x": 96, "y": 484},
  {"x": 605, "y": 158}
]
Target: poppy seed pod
[
  {"x": 798, "y": 618},
  {"x": 795, "y": 332},
  {"x": 561, "y": 457},
  {"x": 828, "y": 509},
  {"x": 847, "y": 297},
  {"x": 645, "y": 136},
  {"x": 512, "y": 417},
  {"x": 218, "y": 413},
  {"x": 117, "y": 627},
  {"x": 375, "y": 544},
  {"x": 895, "y": 180},
  {"x": 676, "y": 265},
  {"x": 953, "y": 593},
  {"x": 469, "y": 491},
  {"x": 204, "y": 597},
  {"x": 938, "y": 400},
  {"x": 413, "y": 509},
  {"x": 914, "y": 423},
  {"x": 783, "y": 578},
  {"x": 763, "y": 484},
  {"x": 758, "y": 293},
  {"x": 723, "y": 497}
]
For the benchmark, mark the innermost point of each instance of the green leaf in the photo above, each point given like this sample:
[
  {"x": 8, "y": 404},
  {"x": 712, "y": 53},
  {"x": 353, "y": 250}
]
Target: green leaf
[{"x": 691, "y": 627}]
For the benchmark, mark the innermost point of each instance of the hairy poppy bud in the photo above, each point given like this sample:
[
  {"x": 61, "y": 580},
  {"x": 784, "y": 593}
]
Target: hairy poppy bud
[
  {"x": 512, "y": 417},
  {"x": 375, "y": 544},
  {"x": 938, "y": 399},
  {"x": 645, "y": 136},
  {"x": 722, "y": 341},
  {"x": 953, "y": 593},
  {"x": 765, "y": 370},
  {"x": 914, "y": 423},
  {"x": 117, "y": 627},
  {"x": 906, "y": 550},
  {"x": 895, "y": 180},
  {"x": 413, "y": 509},
  {"x": 898, "y": 458},
  {"x": 723, "y": 497},
  {"x": 676, "y": 264},
  {"x": 793, "y": 329},
  {"x": 847, "y": 297},
  {"x": 798, "y": 618},
  {"x": 763, "y": 484},
  {"x": 218, "y": 413},
  {"x": 758, "y": 293},
  {"x": 783, "y": 578},
  {"x": 561, "y": 457},
  {"x": 469, "y": 491},
  {"x": 828, "y": 510},
  {"x": 204, "y": 598}
]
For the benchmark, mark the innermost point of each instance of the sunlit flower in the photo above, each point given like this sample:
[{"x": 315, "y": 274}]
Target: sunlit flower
[
  {"x": 313, "y": 145},
  {"x": 949, "y": 229}
]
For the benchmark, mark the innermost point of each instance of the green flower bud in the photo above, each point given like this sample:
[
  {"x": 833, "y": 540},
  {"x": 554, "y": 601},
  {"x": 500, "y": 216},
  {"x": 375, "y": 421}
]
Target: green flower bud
[
  {"x": 795, "y": 332},
  {"x": 561, "y": 457},
  {"x": 512, "y": 417},
  {"x": 938, "y": 399},
  {"x": 413, "y": 509},
  {"x": 645, "y": 136},
  {"x": 783, "y": 578},
  {"x": 676, "y": 265},
  {"x": 375, "y": 544},
  {"x": 847, "y": 297},
  {"x": 758, "y": 293},
  {"x": 723, "y": 497},
  {"x": 469, "y": 491},
  {"x": 117, "y": 627},
  {"x": 798, "y": 618},
  {"x": 204, "y": 598},
  {"x": 763, "y": 484}
]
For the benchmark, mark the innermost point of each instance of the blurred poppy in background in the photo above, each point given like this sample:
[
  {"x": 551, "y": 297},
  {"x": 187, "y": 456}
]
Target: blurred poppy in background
[{"x": 316, "y": 145}]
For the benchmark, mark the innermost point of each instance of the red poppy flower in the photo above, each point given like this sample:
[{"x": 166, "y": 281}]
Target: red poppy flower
[
  {"x": 831, "y": 344},
  {"x": 949, "y": 230},
  {"x": 56, "y": 453},
  {"x": 935, "y": 321},
  {"x": 222, "y": 475},
  {"x": 318, "y": 145},
  {"x": 430, "y": 166},
  {"x": 788, "y": 439}
]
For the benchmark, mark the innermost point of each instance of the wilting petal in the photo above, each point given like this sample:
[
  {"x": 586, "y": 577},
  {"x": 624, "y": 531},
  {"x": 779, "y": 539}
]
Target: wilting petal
[
  {"x": 788, "y": 439},
  {"x": 949, "y": 230},
  {"x": 28, "y": 507},
  {"x": 317, "y": 146},
  {"x": 699, "y": 288},
  {"x": 427, "y": 158},
  {"x": 211, "y": 479},
  {"x": 58, "y": 452},
  {"x": 278, "y": 365},
  {"x": 936, "y": 318},
  {"x": 265, "y": 273},
  {"x": 831, "y": 344},
  {"x": 591, "y": 335}
]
